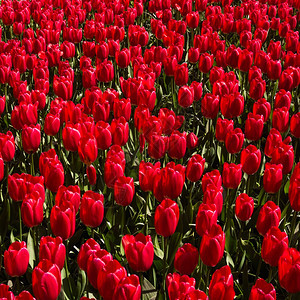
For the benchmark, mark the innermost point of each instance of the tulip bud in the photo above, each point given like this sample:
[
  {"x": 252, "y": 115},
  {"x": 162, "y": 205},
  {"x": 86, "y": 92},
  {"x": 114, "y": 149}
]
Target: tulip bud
[
  {"x": 16, "y": 259},
  {"x": 262, "y": 290},
  {"x": 186, "y": 259},
  {"x": 232, "y": 175},
  {"x": 244, "y": 206},
  {"x": 269, "y": 215},
  {"x": 250, "y": 159},
  {"x": 46, "y": 280},
  {"x": 124, "y": 190},
  {"x": 139, "y": 251}
]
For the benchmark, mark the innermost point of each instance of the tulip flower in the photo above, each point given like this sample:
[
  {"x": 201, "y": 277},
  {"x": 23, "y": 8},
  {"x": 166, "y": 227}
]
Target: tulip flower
[
  {"x": 262, "y": 290},
  {"x": 16, "y": 259},
  {"x": 46, "y": 280},
  {"x": 53, "y": 249},
  {"x": 92, "y": 209},
  {"x": 221, "y": 285},
  {"x": 186, "y": 259},
  {"x": 139, "y": 251}
]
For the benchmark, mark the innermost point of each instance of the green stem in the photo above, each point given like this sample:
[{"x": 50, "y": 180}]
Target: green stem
[
  {"x": 32, "y": 165},
  {"x": 258, "y": 268}
]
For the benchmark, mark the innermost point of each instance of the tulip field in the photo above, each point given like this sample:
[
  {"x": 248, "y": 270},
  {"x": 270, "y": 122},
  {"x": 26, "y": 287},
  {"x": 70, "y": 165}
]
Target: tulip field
[{"x": 149, "y": 149}]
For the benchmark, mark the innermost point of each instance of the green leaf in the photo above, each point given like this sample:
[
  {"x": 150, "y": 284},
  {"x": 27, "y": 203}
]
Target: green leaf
[
  {"x": 30, "y": 248},
  {"x": 147, "y": 286},
  {"x": 81, "y": 283}
]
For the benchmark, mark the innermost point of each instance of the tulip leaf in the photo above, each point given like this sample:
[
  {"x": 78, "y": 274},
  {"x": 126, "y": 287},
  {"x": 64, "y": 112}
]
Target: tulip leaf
[
  {"x": 286, "y": 187},
  {"x": 158, "y": 252},
  {"x": 81, "y": 283},
  {"x": 175, "y": 241},
  {"x": 30, "y": 248},
  {"x": 146, "y": 288}
]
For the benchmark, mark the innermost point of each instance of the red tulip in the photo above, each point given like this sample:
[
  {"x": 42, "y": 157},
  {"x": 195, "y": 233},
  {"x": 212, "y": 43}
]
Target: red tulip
[
  {"x": 85, "y": 252},
  {"x": 275, "y": 242},
  {"x": 186, "y": 259},
  {"x": 16, "y": 259},
  {"x": 288, "y": 270},
  {"x": 166, "y": 217},
  {"x": 46, "y": 280},
  {"x": 262, "y": 290},
  {"x": 221, "y": 285},
  {"x": 234, "y": 140},
  {"x": 244, "y": 206},
  {"x": 92, "y": 209},
  {"x": 139, "y": 251},
  {"x": 232, "y": 175},
  {"x": 31, "y": 138},
  {"x": 269, "y": 215},
  {"x": 179, "y": 286},
  {"x": 53, "y": 249},
  {"x": 250, "y": 159},
  {"x": 212, "y": 246},
  {"x": 272, "y": 177},
  {"x": 128, "y": 288},
  {"x": 124, "y": 190},
  {"x": 195, "y": 168},
  {"x": 62, "y": 220},
  {"x": 147, "y": 173}
]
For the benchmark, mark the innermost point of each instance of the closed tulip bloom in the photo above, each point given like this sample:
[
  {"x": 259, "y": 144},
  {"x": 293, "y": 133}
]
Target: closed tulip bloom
[
  {"x": 257, "y": 88},
  {"x": 193, "y": 55},
  {"x": 128, "y": 288},
  {"x": 16, "y": 259},
  {"x": 206, "y": 217},
  {"x": 85, "y": 252},
  {"x": 157, "y": 146},
  {"x": 205, "y": 62},
  {"x": 91, "y": 174},
  {"x": 283, "y": 154},
  {"x": 273, "y": 141},
  {"x": 122, "y": 108},
  {"x": 71, "y": 136},
  {"x": 92, "y": 209},
  {"x": 147, "y": 173},
  {"x": 7, "y": 146},
  {"x": 283, "y": 99},
  {"x": 62, "y": 220},
  {"x": 186, "y": 259},
  {"x": 262, "y": 107},
  {"x": 221, "y": 285},
  {"x": 275, "y": 242},
  {"x": 24, "y": 295},
  {"x": 196, "y": 295},
  {"x": 254, "y": 126},
  {"x": 262, "y": 290},
  {"x": 103, "y": 135},
  {"x": 234, "y": 140},
  {"x": 54, "y": 175},
  {"x": 53, "y": 249},
  {"x": 119, "y": 131},
  {"x": 232, "y": 105},
  {"x": 210, "y": 106},
  {"x": 269, "y": 215},
  {"x": 232, "y": 175},
  {"x": 177, "y": 145},
  {"x": 250, "y": 159},
  {"x": 166, "y": 217},
  {"x": 185, "y": 96},
  {"x": 52, "y": 124},
  {"x": 191, "y": 141},
  {"x": 46, "y": 280},
  {"x": 68, "y": 194},
  {"x": 274, "y": 69},
  {"x": 195, "y": 168},
  {"x": 87, "y": 149},
  {"x": 105, "y": 71},
  {"x": 294, "y": 194},
  {"x": 214, "y": 195},
  {"x": 212, "y": 246},
  {"x": 289, "y": 270},
  {"x": 124, "y": 190},
  {"x": 32, "y": 209},
  {"x": 109, "y": 278},
  {"x": 280, "y": 119},
  {"x": 123, "y": 58},
  {"x": 5, "y": 293},
  {"x": 245, "y": 60},
  {"x": 113, "y": 169},
  {"x": 179, "y": 286},
  {"x": 244, "y": 206},
  {"x": 31, "y": 138},
  {"x": 222, "y": 128},
  {"x": 272, "y": 177},
  {"x": 139, "y": 251},
  {"x": 181, "y": 74},
  {"x": 295, "y": 125},
  {"x": 95, "y": 263}
]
